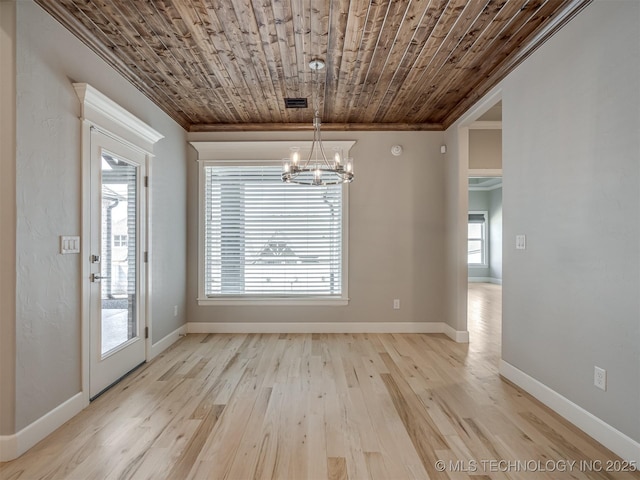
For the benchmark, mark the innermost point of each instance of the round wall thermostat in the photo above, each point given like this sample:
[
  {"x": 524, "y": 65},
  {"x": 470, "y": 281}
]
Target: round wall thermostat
[{"x": 396, "y": 150}]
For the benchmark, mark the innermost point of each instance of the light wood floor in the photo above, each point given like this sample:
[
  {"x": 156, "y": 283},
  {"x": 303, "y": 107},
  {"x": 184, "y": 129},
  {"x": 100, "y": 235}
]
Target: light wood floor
[{"x": 318, "y": 406}]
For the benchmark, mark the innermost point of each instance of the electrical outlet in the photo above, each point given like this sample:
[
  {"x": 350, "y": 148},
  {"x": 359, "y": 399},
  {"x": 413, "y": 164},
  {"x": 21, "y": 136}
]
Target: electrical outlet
[
  {"x": 521, "y": 242},
  {"x": 600, "y": 378},
  {"x": 396, "y": 304},
  {"x": 175, "y": 310}
]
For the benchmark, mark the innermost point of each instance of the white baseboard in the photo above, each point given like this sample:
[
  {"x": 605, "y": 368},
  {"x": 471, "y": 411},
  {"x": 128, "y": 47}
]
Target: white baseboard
[
  {"x": 478, "y": 280},
  {"x": 496, "y": 281},
  {"x": 161, "y": 345},
  {"x": 616, "y": 441},
  {"x": 329, "y": 327},
  {"x": 8, "y": 447},
  {"x": 458, "y": 336},
  {"x": 12, "y": 446}
]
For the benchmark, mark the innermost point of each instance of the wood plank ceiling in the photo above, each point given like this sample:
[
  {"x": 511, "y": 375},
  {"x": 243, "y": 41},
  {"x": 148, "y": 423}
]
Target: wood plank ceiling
[{"x": 215, "y": 65}]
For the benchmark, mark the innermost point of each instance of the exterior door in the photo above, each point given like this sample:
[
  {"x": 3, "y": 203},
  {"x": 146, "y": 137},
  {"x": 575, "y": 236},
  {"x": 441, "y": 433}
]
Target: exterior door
[{"x": 117, "y": 307}]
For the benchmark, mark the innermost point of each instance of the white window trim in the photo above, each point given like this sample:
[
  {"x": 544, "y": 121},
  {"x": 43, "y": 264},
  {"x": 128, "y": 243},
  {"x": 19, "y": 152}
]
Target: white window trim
[
  {"x": 267, "y": 153},
  {"x": 485, "y": 243}
]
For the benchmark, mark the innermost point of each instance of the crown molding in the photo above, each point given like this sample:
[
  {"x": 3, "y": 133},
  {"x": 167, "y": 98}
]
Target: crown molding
[{"x": 96, "y": 105}]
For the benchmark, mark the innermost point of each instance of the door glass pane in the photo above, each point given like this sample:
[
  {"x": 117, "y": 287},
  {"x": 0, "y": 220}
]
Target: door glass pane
[{"x": 119, "y": 278}]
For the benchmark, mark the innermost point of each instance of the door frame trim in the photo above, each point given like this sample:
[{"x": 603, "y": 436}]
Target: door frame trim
[
  {"x": 101, "y": 113},
  {"x": 462, "y": 127}
]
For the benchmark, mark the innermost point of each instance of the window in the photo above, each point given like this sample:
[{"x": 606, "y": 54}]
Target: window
[
  {"x": 262, "y": 239},
  {"x": 477, "y": 233},
  {"x": 120, "y": 240}
]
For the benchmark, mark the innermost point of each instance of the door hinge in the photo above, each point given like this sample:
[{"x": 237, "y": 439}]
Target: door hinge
[
  {"x": 146, "y": 257},
  {"x": 146, "y": 181},
  {"x": 146, "y": 332}
]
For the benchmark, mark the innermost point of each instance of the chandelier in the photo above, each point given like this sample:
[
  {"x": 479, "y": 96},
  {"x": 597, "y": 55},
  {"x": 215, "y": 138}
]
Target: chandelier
[{"x": 317, "y": 169}]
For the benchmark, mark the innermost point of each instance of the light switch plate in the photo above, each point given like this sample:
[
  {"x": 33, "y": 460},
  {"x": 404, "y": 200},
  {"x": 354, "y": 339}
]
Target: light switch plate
[
  {"x": 69, "y": 244},
  {"x": 521, "y": 242}
]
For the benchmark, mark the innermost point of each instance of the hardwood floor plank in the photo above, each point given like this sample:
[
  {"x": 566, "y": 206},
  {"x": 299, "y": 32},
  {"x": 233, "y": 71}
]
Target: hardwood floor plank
[
  {"x": 376, "y": 466},
  {"x": 395, "y": 443},
  {"x": 335, "y": 425},
  {"x": 224, "y": 441},
  {"x": 424, "y": 436},
  {"x": 316, "y": 439},
  {"x": 268, "y": 452},
  {"x": 244, "y": 463},
  {"x": 193, "y": 449},
  {"x": 337, "y": 467}
]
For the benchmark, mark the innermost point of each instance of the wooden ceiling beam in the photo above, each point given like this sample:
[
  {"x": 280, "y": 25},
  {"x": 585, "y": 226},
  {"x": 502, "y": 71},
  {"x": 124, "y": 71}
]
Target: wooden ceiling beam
[{"x": 354, "y": 31}]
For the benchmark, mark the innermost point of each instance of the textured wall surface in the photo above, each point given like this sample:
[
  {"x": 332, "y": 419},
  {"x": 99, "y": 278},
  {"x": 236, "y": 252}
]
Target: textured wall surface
[
  {"x": 48, "y": 205},
  {"x": 7, "y": 217},
  {"x": 48, "y": 184}
]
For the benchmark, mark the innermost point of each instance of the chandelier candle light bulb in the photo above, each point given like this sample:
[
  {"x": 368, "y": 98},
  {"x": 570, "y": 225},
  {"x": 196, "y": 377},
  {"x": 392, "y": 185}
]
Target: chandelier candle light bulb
[
  {"x": 336, "y": 158},
  {"x": 295, "y": 155}
]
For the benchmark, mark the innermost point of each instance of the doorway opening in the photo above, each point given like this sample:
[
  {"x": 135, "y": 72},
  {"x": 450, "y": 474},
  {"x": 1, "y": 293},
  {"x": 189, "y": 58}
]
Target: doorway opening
[
  {"x": 484, "y": 227},
  {"x": 484, "y": 230}
]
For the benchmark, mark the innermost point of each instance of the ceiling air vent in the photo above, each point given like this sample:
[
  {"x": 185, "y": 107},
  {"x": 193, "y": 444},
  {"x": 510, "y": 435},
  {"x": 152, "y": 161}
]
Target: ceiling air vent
[{"x": 295, "y": 102}]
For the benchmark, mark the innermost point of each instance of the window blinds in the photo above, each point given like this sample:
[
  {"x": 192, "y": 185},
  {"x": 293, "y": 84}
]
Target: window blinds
[
  {"x": 476, "y": 218},
  {"x": 267, "y": 238}
]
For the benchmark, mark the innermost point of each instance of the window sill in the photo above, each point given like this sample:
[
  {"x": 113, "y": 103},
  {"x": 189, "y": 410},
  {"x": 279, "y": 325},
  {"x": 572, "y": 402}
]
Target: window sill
[{"x": 262, "y": 301}]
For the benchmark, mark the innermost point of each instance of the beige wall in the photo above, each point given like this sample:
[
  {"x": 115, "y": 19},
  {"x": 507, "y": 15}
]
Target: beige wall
[
  {"x": 485, "y": 149},
  {"x": 456, "y": 218},
  {"x": 7, "y": 217},
  {"x": 396, "y": 234}
]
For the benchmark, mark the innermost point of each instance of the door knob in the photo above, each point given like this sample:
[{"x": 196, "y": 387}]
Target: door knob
[{"x": 96, "y": 277}]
